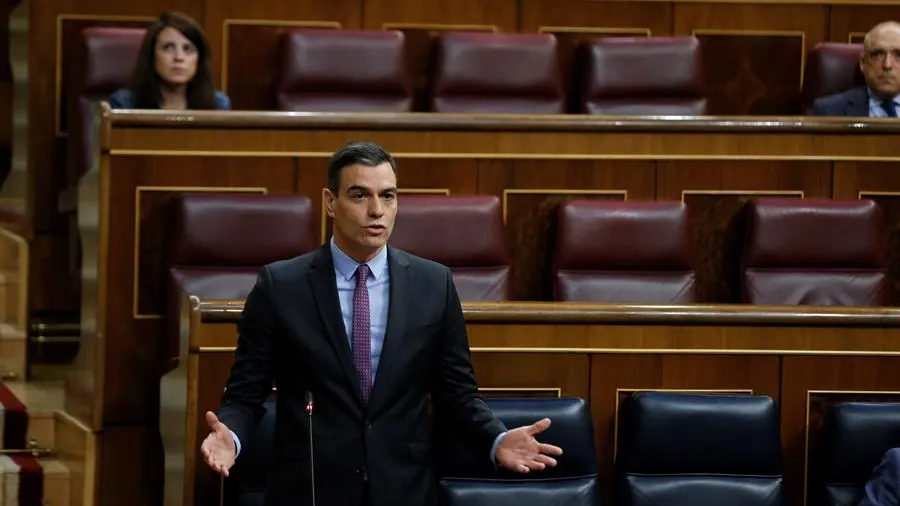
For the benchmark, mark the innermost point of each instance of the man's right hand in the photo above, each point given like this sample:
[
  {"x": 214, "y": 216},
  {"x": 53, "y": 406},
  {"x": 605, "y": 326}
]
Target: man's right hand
[{"x": 218, "y": 448}]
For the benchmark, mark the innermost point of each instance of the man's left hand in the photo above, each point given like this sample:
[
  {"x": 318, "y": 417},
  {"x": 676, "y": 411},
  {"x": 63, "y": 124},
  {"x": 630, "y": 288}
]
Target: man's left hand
[{"x": 520, "y": 451}]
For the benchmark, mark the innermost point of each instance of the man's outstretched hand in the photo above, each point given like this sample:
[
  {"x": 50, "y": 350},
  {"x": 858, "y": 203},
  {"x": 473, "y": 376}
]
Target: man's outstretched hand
[
  {"x": 520, "y": 451},
  {"x": 218, "y": 448}
]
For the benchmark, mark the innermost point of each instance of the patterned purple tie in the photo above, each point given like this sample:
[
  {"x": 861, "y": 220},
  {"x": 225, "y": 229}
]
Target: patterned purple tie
[{"x": 362, "y": 332}]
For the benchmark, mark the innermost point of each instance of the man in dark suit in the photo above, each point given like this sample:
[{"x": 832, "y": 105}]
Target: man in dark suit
[
  {"x": 883, "y": 487},
  {"x": 373, "y": 333},
  {"x": 880, "y": 65}
]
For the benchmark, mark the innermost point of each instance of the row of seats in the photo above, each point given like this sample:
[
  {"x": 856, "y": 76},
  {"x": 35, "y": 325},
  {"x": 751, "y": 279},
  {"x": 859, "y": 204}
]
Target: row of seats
[
  {"x": 476, "y": 72},
  {"x": 626, "y": 252},
  {"x": 728, "y": 450}
]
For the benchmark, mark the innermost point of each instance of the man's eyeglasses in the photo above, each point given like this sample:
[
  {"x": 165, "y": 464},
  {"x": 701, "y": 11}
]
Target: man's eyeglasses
[{"x": 878, "y": 55}]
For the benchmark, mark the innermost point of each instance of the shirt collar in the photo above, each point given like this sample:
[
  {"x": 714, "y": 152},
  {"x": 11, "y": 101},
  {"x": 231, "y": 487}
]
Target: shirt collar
[
  {"x": 347, "y": 266},
  {"x": 873, "y": 98}
]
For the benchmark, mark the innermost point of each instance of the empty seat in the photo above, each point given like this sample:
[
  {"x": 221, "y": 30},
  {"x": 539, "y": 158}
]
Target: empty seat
[
  {"x": 467, "y": 478},
  {"x": 645, "y": 76},
  {"x": 497, "y": 73},
  {"x": 831, "y": 68},
  {"x": 695, "y": 450},
  {"x": 628, "y": 252},
  {"x": 854, "y": 437},
  {"x": 221, "y": 240},
  {"x": 815, "y": 252},
  {"x": 343, "y": 71},
  {"x": 465, "y": 233},
  {"x": 103, "y": 62}
]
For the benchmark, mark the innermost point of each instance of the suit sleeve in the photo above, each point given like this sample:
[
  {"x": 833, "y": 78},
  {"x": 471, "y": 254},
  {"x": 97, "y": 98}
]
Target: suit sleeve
[
  {"x": 456, "y": 393},
  {"x": 251, "y": 377},
  {"x": 882, "y": 487},
  {"x": 818, "y": 108}
]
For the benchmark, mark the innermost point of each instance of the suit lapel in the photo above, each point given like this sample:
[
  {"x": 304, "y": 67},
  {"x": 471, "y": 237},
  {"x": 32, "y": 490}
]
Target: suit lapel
[
  {"x": 324, "y": 289},
  {"x": 396, "y": 324},
  {"x": 858, "y": 102}
]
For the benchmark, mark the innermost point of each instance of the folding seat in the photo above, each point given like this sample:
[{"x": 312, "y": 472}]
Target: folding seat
[
  {"x": 853, "y": 439},
  {"x": 815, "y": 252},
  {"x": 642, "y": 76},
  {"x": 221, "y": 240},
  {"x": 831, "y": 67},
  {"x": 465, "y": 233},
  {"x": 485, "y": 72},
  {"x": 467, "y": 477},
  {"x": 343, "y": 71},
  {"x": 627, "y": 252},
  {"x": 697, "y": 450}
]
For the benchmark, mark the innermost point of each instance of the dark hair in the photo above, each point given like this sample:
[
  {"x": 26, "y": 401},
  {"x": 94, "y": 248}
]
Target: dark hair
[
  {"x": 356, "y": 153},
  {"x": 201, "y": 94}
]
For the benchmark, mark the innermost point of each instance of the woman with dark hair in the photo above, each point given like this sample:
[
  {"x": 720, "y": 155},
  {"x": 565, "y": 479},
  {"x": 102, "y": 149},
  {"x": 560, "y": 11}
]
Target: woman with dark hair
[{"x": 172, "y": 71}]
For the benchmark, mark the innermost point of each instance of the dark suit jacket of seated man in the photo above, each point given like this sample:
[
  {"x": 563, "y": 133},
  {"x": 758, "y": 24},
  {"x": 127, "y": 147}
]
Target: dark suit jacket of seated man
[
  {"x": 373, "y": 333},
  {"x": 883, "y": 488},
  {"x": 880, "y": 66}
]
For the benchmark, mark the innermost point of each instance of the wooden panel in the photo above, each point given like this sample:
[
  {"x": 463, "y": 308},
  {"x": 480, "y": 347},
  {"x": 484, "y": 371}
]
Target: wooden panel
[
  {"x": 220, "y": 16},
  {"x": 811, "y": 383},
  {"x": 251, "y": 59},
  {"x": 539, "y": 349},
  {"x": 589, "y": 15},
  {"x": 849, "y": 23},
  {"x": 753, "y": 52},
  {"x": 500, "y": 13},
  {"x": 752, "y": 73}
]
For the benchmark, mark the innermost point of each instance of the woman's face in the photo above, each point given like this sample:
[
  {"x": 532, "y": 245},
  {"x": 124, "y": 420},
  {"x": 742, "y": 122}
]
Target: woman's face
[{"x": 176, "y": 57}]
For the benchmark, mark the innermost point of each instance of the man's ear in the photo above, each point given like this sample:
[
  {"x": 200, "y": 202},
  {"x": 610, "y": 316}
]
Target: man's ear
[{"x": 329, "y": 201}]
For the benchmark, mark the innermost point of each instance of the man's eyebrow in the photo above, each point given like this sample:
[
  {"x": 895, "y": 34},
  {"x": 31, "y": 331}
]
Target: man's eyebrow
[
  {"x": 392, "y": 189},
  {"x": 358, "y": 187}
]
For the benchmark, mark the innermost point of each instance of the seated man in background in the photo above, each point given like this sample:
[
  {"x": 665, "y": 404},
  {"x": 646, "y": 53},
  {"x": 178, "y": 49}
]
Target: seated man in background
[
  {"x": 172, "y": 71},
  {"x": 883, "y": 487},
  {"x": 880, "y": 65}
]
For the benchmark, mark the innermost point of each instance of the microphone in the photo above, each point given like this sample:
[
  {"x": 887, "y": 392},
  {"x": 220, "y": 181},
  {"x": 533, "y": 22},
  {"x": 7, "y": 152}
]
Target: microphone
[{"x": 312, "y": 461}]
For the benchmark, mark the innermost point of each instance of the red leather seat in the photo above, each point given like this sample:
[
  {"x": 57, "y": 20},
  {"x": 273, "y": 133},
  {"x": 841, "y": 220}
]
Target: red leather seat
[
  {"x": 344, "y": 71},
  {"x": 465, "y": 233},
  {"x": 642, "y": 76},
  {"x": 221, "y": 240},
  {"x": 815, "y": 252},
  {"x": 627, "y": 252},
  {"x": 478, "y": 72}
]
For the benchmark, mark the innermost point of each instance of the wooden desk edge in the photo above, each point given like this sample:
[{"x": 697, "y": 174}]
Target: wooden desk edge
[
  {"x": 229, "y": 311},
  {"x": 507, "y": 122}
]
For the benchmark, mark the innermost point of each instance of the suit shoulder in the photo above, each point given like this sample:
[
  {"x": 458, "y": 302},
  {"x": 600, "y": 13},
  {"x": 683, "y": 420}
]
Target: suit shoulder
[
  {"x": 120, "y": 99},
  {"x": 291, "y": 267},
  {"x": 833, "y": 105},
  {"x": 419, "y": 264}
]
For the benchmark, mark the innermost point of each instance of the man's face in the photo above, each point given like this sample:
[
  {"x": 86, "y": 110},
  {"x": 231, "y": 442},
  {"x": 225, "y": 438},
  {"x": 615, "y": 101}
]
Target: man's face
[
  {"x": 364, "y": 209},
  {"x": 880, "y": 61}
]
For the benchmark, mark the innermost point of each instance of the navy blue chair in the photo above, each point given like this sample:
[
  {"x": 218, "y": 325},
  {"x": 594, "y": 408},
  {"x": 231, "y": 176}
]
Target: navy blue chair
[
  {"x": 698, "y": 450},
  {"x": 854, "y": 438},
  {"x": 467, "y": 478}
]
